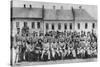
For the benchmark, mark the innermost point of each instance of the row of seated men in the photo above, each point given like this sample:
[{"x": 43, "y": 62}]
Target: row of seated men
[{"x": 59, "y": 47}]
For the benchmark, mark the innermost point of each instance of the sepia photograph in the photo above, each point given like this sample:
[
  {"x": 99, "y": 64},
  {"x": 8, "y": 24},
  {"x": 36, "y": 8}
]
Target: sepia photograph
[{"x": 45, "y": 33}]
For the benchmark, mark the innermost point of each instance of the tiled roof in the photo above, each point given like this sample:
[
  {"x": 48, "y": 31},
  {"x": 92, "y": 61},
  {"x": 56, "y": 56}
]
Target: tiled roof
[
  {"x": 27, "y": 13},
  {"x": 51, "y": 14},
  {"x": 81, "y": 14},
  {"x": 64, "y": 14}
]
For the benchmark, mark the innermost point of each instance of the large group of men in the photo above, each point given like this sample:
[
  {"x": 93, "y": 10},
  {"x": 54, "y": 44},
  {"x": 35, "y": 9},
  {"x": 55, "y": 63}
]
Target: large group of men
[{"x": 54, "y": 45}]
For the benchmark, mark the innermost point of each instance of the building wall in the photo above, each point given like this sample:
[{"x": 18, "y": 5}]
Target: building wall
[
  {"x": 56, "y": 25},
  {"x": 43, "y": 25},
  {"x": 82, "y": 26},
  {"x": 29, "y": 24}
]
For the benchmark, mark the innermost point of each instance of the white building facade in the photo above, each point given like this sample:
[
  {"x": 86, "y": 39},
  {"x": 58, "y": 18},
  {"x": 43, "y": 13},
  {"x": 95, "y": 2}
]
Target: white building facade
[{"x": 45, "y": 20}]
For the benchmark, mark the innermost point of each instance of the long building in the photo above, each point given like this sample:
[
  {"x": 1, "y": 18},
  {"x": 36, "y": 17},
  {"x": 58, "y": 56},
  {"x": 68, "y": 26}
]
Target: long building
[{"x": 45, "y": 20}]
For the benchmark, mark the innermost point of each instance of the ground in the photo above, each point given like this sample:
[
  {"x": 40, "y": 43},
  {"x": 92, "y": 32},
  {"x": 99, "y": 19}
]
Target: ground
[{"x": 56, "y": 62}]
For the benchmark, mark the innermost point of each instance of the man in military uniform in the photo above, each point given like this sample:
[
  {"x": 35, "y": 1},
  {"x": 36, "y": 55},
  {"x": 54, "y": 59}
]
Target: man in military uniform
[{"x": 18, "y": 46}]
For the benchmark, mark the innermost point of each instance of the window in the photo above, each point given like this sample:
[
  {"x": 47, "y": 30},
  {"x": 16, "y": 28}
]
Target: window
[
  {"x": 93, "y": 25},
  {"x": 24, "y": 6},
  {"x": 17, "y": 24},
  {"x": 65, "y": 25},
  {"x": 59, "y": 26},
  {"x": 52, "y": 26},
  {"x": 86, "y": 25},
  {"x": 78, "y": 25},
  {"x": 30, "y": 6},
  {"x": 33, "y": 24},
  {"x": 38, "y": 24},
  {"x": 70, "y": 25},
  {"x": 47, "y": 26},
  {"x": 25, "y": 24}
]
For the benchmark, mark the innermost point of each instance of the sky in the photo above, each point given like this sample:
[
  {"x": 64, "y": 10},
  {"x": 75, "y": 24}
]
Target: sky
[{"x": 91, "y": 9}]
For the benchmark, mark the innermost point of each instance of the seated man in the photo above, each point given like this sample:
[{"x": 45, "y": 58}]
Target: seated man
[
  {"x": 45, "y": 52},
  {"x": 29, "y": 51},
  {"x": 38, "y": 50}
]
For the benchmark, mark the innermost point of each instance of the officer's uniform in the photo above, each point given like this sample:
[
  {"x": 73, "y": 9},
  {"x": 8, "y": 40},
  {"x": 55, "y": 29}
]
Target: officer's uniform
[{"x": 18, "y": 45}]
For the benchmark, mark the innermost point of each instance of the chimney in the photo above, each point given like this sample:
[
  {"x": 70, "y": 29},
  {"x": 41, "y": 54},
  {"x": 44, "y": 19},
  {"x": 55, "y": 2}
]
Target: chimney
[
  {"x": 24, "y": 5},
  {"x": 43, "y": 11},
  {"x": 30, "y": 6},
  {"x": 61, "y": 7},
  {"x": 54, "y": 7},
  {"x": 73, "y": 12}
]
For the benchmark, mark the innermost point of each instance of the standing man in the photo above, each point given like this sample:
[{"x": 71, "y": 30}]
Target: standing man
[{"x": 18, "y": 46}]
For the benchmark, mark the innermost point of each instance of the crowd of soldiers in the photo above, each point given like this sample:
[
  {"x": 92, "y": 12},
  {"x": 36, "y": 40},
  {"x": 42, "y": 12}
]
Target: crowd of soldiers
[{"x": 54, "y": 45}]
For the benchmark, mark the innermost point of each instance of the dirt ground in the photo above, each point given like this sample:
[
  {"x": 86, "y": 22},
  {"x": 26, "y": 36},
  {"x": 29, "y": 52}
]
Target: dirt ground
[{"x": 55, "y": 62}]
